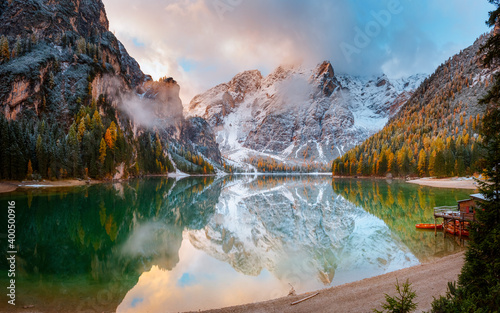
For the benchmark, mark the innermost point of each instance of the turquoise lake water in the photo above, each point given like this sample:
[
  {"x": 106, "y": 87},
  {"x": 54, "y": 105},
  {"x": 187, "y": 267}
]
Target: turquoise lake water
[{"x": 167, "y": 245}]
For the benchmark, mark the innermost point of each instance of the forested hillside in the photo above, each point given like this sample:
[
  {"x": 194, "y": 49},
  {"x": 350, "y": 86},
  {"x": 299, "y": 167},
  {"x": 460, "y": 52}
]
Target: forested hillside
[
  {"x": 93, "y": 146},
  {"x": 436, "y": 132},
  {"x": 70, "y": 95}
]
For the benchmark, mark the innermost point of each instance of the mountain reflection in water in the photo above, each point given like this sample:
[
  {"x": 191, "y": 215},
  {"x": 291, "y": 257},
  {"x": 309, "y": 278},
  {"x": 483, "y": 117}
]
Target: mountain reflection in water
[{"x": 173, "y": 245}]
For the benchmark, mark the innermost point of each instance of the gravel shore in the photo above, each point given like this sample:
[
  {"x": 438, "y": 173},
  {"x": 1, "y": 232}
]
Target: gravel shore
[
  {"x": 429, "y": 280},
  {"x": 445, "y": 183}
]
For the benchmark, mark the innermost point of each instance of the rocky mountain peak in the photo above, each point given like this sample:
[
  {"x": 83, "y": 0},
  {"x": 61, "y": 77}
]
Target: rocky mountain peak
[
  {"x": 281, "y": 73},
  {"x": 326, "y": 78},
  {"x": 325, "y": 70},
  {"x": 246, "y": 81},
  {"x": 381, "y": 81},
  {"x": 297, "y": 114}
]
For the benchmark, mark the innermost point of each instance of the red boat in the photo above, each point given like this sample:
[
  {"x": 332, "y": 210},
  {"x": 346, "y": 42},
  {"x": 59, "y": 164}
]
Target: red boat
[
  {"x": 455, "y": 230},
  {"x": 429, "y": 226}
]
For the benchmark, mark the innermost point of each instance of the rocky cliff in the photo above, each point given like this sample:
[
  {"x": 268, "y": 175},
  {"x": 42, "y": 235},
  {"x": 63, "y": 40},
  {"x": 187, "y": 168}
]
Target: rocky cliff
[
  {"x": 299, "y": 115},
  {"x": 59, "y": 63},
  {"x": 62, "y": 45}
]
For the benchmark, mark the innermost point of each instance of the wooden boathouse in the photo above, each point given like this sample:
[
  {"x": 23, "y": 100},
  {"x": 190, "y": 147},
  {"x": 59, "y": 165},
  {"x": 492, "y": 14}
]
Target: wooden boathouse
[{"x": 456, "y": 218}]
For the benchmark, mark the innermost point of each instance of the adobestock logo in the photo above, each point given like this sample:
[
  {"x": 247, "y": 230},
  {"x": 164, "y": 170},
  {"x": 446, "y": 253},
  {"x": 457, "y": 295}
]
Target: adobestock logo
[{"x": 363, "y": 37}]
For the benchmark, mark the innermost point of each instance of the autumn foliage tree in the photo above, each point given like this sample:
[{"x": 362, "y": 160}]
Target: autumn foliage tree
[
  {"x": 110, "y": 136},
  {"x": 102, "y": 151}
]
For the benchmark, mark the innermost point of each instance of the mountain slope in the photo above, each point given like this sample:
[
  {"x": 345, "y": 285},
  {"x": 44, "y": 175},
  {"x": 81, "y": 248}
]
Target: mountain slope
[
  {"x": 436, "y": 131},
  {"x": 75, "y": 104},
  {"x": 299, "y": 115},
  {"x": 66, "y": 42}
]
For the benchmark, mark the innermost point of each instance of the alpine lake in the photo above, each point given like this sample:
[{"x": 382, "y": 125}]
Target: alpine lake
[{"x": 169, "y": 245}]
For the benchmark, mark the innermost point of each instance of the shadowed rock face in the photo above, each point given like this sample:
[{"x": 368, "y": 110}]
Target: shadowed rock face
[
  {"x": 53, "y": 17},
  {"x": 198, "y": 133}
]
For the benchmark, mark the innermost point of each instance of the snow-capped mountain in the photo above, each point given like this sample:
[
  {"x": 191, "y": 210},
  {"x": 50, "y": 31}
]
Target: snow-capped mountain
[{"x": 296, "y": 114}]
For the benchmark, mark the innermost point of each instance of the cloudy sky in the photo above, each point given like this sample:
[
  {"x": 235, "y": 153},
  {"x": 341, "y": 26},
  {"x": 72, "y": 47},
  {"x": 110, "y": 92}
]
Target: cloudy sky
[{"x": 202, "y": 43}]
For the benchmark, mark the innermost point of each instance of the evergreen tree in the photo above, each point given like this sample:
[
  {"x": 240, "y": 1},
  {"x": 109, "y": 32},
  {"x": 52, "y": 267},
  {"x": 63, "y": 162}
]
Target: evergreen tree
[
  {"x": 41, "y": 155},
  {"x": 15, "y": 154},
  {"x": 87, "y": 149},
  {"x": 449, "y": 160},
  {"x": 51, "y": 80},
  {"x": 74, "y": 151},
  {"x": 439, "y": 164},
  {"x": 18, "y": 46},
  {"x": 81, "y": 46}
]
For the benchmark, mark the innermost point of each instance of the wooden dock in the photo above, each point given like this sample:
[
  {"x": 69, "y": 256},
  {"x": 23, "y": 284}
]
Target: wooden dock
[
  {"x": 453, "y": 215},
  {"x": 459, "y": 215}
]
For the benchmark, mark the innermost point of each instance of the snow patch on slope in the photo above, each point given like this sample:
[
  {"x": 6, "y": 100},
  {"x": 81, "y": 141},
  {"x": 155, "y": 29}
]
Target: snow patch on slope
[{"x": 295, "y": 114}]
